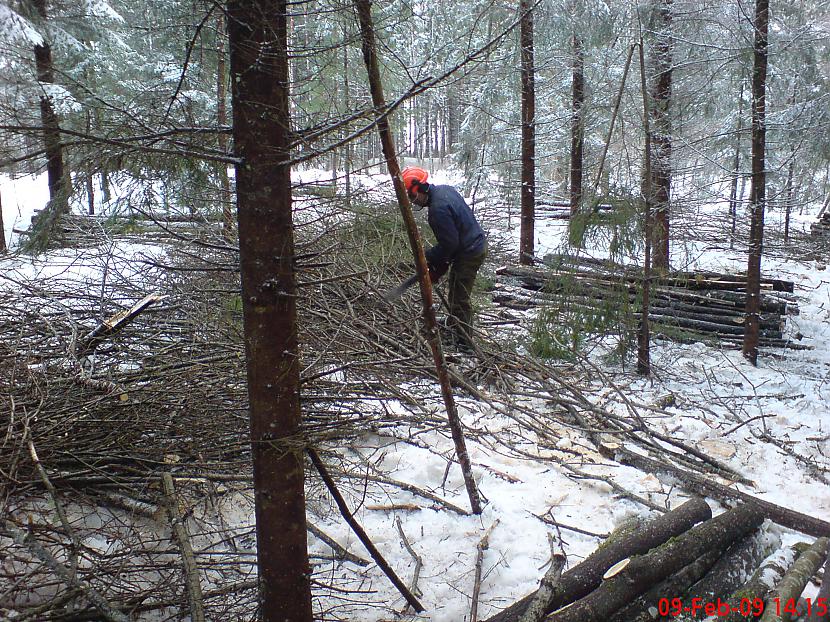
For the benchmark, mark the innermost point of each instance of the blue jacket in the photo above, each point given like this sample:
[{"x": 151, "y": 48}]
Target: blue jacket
[{"x": 454, "y": 225}]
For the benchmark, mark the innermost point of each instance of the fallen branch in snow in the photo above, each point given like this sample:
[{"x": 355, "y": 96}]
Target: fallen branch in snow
[
  {"x": 339, "y": 551},
  {"x": 410, "y": 488},
  {"x": 191, "y": 570},
  {"x": 28, "y": 541},
  {"x": 586, "y": 576},
  {"x": 481, "y": 547},
  {"x": 416, "y": 574},
  {"x": 359, "y": 532},
  {"x": 706, "y": 486},
  {"x": 536, "y": 611}
]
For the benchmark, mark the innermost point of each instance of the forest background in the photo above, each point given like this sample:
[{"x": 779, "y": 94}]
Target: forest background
[{"x": 127, "y": 107}]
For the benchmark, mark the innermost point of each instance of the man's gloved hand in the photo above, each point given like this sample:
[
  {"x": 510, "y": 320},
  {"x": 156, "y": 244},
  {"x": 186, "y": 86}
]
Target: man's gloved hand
[{"x": 436, "y": 272}]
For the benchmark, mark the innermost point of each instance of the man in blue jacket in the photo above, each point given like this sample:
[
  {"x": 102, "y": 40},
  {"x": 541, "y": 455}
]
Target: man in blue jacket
[{"x": 461, "y": 246}]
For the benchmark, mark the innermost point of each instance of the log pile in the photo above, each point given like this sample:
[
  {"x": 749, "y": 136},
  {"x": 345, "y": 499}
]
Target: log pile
[
  {"x": 684, "y": 565},
  {"x": 821, "y": 228},
  {"x": 687, "y": 306},
  {"x": 84, "y": 230}
]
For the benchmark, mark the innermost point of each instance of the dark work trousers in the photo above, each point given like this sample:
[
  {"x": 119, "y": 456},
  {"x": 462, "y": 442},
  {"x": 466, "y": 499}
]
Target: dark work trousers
[{"x": 462, "y": 276}]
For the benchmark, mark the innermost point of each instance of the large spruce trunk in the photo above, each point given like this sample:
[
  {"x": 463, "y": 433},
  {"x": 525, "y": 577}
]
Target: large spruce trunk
[
  {"x": 577, "y": 126},
  {"x": 261, "y": 124},
  {"x": 758, "y": 188},
  {"x": 661, "y": 142},
  {"x": 527, "y": 246}
]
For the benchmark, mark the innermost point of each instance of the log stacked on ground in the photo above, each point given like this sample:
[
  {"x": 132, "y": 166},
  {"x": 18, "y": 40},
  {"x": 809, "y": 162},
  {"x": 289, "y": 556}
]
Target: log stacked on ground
[
  {"x": 586, "y": 576},
  {"x": 645, "y": 571},
  {"x": 683, "y": 304}
]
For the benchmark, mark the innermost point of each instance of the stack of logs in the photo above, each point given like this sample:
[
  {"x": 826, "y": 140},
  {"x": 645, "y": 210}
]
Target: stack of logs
[
  {"x": 684, "y": 305},
  {"x": 685, "y": 565},
  {"x": 821, "y": 228},
  {"x": 81, "y": 229}
]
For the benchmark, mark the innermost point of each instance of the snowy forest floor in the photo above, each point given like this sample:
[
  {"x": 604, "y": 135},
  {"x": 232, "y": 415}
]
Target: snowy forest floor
[{"x": 168, "y": 395}]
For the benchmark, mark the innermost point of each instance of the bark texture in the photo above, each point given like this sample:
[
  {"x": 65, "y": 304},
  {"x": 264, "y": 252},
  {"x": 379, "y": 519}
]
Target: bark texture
[
  {"x": 820, "y": 614},
  {"x": 757, "y": 192},
  {"x": 527, "y": 246},
  {"x": 794, "y": 581},
  {"x": 661, "y": 139},
  {"x": 269, "y": 293},
  {"x": 760, "y": 584},
  {"x": 577, "y": 133}
]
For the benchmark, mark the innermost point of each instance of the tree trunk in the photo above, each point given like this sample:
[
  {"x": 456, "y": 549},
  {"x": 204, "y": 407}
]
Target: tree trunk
[
  {"x": 577, "y": 127},
  {"x": 3, "y": 247},
  {"x": 49, "y": 119},
  {"x": 788, "y": 208},
  {"x": 586, "y": 576},
  {"x": 645, "y": 570},
  {"x": 364, "y": 12},
  {"x": 222, "y": 120},
  {"x": 661, "y": 137},
  {"x": 526, "y": 244},
  {"x": 758, "y": 189},
  {"x": 261, "y": 131},
  {"x": 736, "y": 167},
  {"x": 643, "y": 337},
  {"x": 347, "y": 156}
]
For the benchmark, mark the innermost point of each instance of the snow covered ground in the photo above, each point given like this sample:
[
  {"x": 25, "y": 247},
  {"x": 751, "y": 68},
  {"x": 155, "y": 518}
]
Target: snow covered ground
[{"x": 720, "y": 403}]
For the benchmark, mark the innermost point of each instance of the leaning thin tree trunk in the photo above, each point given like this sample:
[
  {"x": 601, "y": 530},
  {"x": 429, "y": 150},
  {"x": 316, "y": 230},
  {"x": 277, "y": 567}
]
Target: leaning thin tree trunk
[
  {"x": 527, "y": 242},
  {"x": 262, "y": 126},
  {"x": 614, "y": 115},
  {"x": 586, "y": 576},
  {"x": 643, "y": 338},
  {"x": 577, "y": 127},
  {"x": 661, "y": 139},
  {"x": 758, "y": 191},
  {"x": 645, "y": 570},
  {"x": 364, "y": 12}
]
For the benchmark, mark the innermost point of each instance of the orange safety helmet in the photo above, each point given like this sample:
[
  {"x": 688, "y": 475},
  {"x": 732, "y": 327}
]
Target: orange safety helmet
[{"x": 414, "y": 176}]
